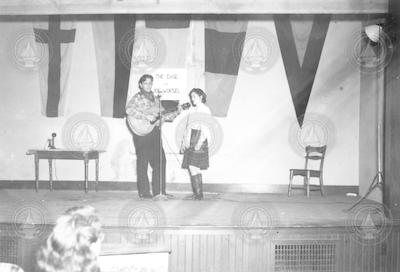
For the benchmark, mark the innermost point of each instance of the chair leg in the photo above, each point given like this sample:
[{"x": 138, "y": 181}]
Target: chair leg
[
  {"x": 290, "y": 183},
  {"x": 321, "y": 185},
  {"x": 308, "y": 184}
]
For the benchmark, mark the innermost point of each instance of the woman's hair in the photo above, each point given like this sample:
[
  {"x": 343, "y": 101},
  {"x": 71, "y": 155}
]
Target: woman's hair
[
  {"x": 143, "y": 78},
  {"x": 68, "y": 248},
  {"x": 200, "y": 93}
]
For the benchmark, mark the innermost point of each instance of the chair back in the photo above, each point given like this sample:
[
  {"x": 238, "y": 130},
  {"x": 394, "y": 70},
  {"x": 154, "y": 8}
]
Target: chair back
[{"x": 315, "y": 153}]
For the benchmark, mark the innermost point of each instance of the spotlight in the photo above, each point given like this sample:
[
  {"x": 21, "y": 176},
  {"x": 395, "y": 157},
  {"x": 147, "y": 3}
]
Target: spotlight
[{"x": 373, "y": 32}]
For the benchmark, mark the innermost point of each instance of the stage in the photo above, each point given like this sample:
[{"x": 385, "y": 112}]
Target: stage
[
  {"x": 216, "y": 210},
  {"x": 224, "y": 232}
]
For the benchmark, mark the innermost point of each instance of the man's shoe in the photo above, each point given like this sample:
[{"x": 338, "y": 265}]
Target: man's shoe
[
  {"x": 145, "y": 196},
  {"x": 160, "y": 197},
  {"x": 169, "y": 196},
  {"x": 190, "y": 197}
]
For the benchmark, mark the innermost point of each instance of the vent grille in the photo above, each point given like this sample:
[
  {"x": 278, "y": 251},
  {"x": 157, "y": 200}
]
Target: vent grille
[
  {"x": 8, "y": 249},
  {"x": 310, "y": 256}
]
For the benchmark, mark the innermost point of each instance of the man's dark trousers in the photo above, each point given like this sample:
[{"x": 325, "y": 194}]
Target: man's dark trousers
[{"x": 148, "y": 151}]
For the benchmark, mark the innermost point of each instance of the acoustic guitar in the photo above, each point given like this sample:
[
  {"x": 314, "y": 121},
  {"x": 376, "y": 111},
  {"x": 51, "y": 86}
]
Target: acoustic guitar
[{"x": 143, "y": 127}]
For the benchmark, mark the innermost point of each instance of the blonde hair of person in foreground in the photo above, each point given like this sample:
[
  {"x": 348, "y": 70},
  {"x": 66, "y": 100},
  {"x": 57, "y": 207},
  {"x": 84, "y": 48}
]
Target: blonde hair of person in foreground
[{"x": 74, "y": 244}]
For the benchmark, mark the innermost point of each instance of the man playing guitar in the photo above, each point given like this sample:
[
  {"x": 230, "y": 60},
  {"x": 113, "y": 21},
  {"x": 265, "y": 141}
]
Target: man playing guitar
[{"x": 145, "y": 107}]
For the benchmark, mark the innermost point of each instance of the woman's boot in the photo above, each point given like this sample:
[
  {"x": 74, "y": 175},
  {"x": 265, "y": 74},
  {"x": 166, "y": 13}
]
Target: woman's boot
[
  {"x": 198, "y": 186},
  {"x": 193, "y": 196}
]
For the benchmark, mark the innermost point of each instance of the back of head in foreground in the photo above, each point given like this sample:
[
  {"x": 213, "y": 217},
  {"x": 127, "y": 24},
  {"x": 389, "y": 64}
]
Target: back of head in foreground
[{"x": 74, "y": 244}]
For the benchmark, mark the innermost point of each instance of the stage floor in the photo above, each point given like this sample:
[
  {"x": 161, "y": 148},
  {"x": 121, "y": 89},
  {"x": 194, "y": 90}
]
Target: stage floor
[{"x": 216, "y": 210}]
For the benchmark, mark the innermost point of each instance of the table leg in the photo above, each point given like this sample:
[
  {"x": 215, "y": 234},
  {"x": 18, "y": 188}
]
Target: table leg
[
  {"x": 36, "y": 172},
  {"x": 51, "y": 174},
  {"x": 97, "y": 174},
  {"x": 86, "y": 174}
]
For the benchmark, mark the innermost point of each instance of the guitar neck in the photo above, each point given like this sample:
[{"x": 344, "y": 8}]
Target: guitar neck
[
  {"x": 171, "y": 111},
  {"x": 174, "y": 109}
]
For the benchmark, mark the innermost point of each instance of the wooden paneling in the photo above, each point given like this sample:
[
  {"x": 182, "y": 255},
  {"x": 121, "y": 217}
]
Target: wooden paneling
[
  {"x": 14, "y": 7},
  {"x": 9, "y": 250},
  {"x": 197, "y": 250}
]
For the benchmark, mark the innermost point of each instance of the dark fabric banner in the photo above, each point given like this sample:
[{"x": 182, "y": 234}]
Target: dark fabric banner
[
  {"x": 124, "y": 29},
  {"x": 223, "y": 50},
  {"x": 54, "y": 36},
  {"x": 301, "y": 76}
]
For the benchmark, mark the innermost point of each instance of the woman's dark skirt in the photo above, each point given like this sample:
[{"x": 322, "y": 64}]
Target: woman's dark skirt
[{"x": 198, "y": 158}]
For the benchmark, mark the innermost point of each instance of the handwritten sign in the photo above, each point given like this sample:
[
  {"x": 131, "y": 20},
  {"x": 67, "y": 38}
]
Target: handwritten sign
[{"x": 171, "y": 84}]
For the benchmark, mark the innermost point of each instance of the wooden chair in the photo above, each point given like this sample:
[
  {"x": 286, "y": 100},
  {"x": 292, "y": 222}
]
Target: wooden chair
[{"x": 312, "y": 153}]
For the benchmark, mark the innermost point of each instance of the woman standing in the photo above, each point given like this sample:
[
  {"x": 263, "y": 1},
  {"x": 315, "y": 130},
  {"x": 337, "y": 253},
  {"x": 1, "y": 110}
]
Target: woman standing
[{"x": 195, "y": 148}]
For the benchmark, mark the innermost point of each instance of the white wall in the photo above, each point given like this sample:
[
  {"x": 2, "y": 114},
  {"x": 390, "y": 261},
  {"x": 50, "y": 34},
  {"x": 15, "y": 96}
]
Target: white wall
[{"x": 258, "y": 144}]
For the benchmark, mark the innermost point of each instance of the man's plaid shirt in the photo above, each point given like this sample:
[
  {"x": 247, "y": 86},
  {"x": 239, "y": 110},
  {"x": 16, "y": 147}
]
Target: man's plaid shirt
[{"x": 141, "y": 107}]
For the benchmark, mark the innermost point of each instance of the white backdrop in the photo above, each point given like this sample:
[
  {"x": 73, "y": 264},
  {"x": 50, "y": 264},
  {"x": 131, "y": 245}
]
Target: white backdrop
[{"x": 259, "y": 134}]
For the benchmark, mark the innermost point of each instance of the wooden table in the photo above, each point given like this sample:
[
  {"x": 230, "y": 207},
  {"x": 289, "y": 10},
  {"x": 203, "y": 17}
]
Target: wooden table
[{"x": 65, "y": 154}]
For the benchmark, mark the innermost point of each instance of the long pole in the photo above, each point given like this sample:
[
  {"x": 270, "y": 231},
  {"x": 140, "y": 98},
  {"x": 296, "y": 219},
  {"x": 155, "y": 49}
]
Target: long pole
[
  {"x": 381, "y": 108},
  {"x": 161, "y": 195},
  {"x": 160, "y": 158},
  {"x": 380, "y": 136}
]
